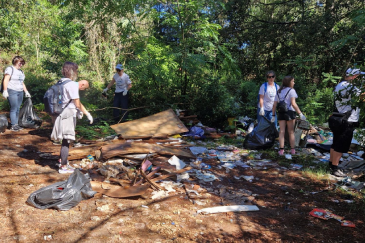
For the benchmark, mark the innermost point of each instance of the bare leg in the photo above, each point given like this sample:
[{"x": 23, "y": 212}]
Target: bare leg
[
  {"x": 335, "y": 157},
  {"x": 282, "y": 124},
  {"x": 291, "y": 133}
]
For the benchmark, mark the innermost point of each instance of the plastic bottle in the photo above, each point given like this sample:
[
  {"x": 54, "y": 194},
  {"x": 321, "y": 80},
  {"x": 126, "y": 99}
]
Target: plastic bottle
[{"x": 91, "y": 158}]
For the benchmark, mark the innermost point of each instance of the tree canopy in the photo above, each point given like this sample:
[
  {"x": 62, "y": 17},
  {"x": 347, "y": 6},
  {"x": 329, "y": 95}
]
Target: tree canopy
[{"x": 202, "y": 55}]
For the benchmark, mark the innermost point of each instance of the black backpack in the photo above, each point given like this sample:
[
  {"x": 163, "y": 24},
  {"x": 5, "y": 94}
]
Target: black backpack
[
  {"x": 53, "y": 98},
  {"x": 282, "y": 107}
]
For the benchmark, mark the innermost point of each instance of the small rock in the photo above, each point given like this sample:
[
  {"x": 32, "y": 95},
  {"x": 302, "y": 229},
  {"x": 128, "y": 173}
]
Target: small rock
[
  {"x": 140, "y": 226},
  {"x": 47, "y": 237},
  {"x": 95, "y": 218},
  {"x": 104, "y": 208},
  {"x": 196, "y": 187}
]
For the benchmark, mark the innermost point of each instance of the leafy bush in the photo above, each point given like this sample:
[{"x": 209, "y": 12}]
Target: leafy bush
[{"x": 92, "y": 132}]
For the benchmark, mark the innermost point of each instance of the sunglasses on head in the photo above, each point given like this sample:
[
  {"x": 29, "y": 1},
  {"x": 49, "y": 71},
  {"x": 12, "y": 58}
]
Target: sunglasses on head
[{"x": 271, "y": 76}]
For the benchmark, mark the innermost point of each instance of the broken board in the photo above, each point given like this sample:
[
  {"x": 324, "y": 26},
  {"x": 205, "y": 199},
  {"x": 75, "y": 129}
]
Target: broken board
[
  {"x": 113, "y": 150},
  {"x": 162, "y": 124},
  {"x": 118, "y": 191}
]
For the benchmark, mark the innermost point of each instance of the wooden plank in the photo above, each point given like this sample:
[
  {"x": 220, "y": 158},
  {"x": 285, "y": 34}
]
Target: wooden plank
[
  {"x": 119, "y": 192},
  {"x": 113, "y": 150},
  {"x": 161, "y": 124},
  {"x": 84, "y": 151}
]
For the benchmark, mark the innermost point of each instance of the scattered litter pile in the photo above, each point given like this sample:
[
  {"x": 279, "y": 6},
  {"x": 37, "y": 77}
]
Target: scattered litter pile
[{"x": 150, "y": 159}]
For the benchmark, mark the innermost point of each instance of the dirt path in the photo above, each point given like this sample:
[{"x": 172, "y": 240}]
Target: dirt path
[{"x": 283, "y": 197}]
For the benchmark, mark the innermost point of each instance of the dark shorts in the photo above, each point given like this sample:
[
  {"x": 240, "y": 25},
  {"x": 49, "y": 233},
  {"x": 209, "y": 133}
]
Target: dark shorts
[
  {"x": 342, "y": 140},
  {"x": 287, "y": 116}
]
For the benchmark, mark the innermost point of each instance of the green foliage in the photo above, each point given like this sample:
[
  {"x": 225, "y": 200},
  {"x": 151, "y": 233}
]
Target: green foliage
[
  {"x": 92, "y": 132},
  {"x": 39, "y": 107},
  {"x": 205, "y": 56},
  {"x": 318, "y": 106}
]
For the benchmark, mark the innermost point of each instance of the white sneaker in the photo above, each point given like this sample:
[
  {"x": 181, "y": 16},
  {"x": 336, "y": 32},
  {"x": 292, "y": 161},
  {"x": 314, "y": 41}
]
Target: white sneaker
[
  {"x": 66, "y": 170},
  {"x": 59, "y": 163}
]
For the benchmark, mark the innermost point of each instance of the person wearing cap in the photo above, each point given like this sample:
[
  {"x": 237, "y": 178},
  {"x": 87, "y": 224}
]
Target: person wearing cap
[
  {"x": 345, "y": 91},
  {"x": 122, "y": 85},
  {"x": 267, "y": 94},
  {"x": 13, "y": 88}
]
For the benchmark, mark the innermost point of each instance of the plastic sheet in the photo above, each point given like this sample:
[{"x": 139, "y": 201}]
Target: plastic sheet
[
  {"x": 195, "y": 132},
  {"x": 27, "y": 116},
  {"x": 63, "y": 195},
  {"x": 263, "y": 135}
]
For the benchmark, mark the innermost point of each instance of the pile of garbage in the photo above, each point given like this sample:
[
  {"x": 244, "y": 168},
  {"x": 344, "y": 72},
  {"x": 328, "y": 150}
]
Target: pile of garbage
[{"x": 149, "y": 153}]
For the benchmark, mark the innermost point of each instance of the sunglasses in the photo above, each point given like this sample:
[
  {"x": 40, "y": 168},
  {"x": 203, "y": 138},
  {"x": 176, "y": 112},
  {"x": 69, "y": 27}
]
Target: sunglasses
[{"x": 271, "y": 76}]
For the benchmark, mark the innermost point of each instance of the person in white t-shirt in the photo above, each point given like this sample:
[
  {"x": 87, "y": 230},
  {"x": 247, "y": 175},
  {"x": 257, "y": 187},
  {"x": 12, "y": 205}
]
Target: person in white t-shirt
[
  {"x": 288, "y": 94},
  {"x": 345, "y": 93},
  {"x": 122, "y": 85},
  {"x": 267, "y": 94},
  {"x": 65, "y": 123},
  {"x": 13, "y": 90}
]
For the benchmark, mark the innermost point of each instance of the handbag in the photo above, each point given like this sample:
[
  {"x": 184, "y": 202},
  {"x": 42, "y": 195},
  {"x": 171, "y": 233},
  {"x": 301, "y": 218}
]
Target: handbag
[{"x": 338, "y": 121}]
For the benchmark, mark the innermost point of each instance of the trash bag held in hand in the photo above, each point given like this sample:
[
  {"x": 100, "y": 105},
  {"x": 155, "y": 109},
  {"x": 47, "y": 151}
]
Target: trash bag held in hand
[
  {"x": 3, "y": 123},
  {"x": 63, "y": 195},
  {"x": 28, "y": 117},
  {"x": 263, "y": 135}
]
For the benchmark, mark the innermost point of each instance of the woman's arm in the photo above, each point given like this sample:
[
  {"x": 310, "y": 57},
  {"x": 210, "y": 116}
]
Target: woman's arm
[
  {"x": 6, "y": 81},
  {"x": 111, "y": 84},
  {"x": 295, "y": 106},
  {"x": 24, "y": 87}
]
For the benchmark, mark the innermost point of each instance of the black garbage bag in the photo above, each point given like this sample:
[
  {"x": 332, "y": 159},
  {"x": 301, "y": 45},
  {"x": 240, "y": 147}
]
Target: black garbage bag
[
  {"x": 263, "y": 135},
  {"x": 63, "y": 195},
  {"x": 3, "y": 123},
  {"x": 27, "y": 116}
]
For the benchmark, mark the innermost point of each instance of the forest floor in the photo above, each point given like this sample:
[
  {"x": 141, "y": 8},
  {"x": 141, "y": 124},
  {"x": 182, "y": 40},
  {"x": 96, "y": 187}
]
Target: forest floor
[{"x": 284, "y": 198}]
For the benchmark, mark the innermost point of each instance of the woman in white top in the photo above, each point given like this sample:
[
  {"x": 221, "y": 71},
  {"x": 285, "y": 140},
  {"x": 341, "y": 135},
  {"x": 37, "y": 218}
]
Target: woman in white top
[
  {"x": 267, "y": 95},
  {"x": 287, "y": 94},
  {"x": 13, "y": 90},
  {"x": 122, "y": 85}
]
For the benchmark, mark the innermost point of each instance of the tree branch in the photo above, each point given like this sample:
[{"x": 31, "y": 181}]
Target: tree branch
[{"x": 268, "y": 22}]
